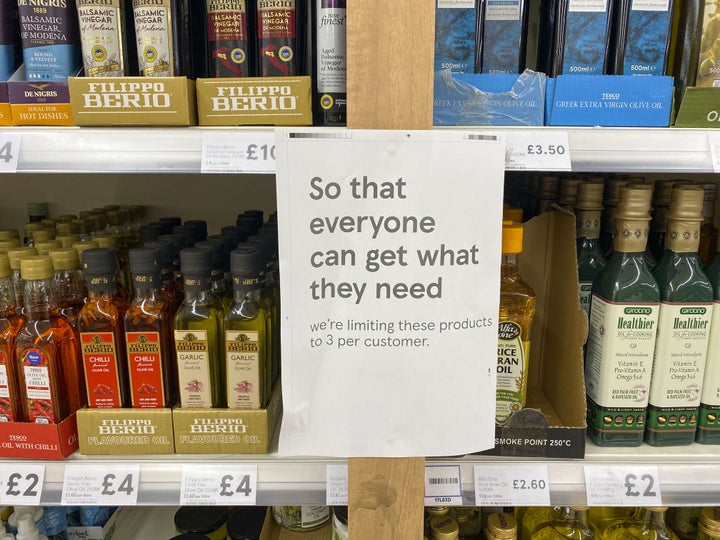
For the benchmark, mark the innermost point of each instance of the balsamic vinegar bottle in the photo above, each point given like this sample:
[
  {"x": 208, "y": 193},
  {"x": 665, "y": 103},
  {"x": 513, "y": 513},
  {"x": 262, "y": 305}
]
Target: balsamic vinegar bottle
[
  {"x": 103, "y": 37},
  {"x": 281, "y": 37},
  {"x": 231, "y": 31},
  {"x": 163, "y": 37},
  {"x": 330, "y": 52}
]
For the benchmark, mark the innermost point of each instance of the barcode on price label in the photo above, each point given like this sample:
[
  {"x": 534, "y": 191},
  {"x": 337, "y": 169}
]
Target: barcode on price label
[{"x": 443, "y": 486}]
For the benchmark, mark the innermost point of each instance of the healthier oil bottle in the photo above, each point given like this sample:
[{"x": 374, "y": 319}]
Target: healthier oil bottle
[
  {"x": 683, "y": 327},
  {"x": 588, "y": 212},
  {"x": 517, "y": 310},
  {"x": 623, "y": 325}
]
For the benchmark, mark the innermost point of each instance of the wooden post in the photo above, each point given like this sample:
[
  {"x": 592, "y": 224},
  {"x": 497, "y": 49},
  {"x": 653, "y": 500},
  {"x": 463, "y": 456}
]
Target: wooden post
[{"x": 390, "y": 86}]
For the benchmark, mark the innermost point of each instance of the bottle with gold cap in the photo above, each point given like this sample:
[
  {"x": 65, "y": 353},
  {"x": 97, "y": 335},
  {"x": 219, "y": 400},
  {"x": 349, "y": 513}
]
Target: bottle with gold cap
[
  {"x": 10, "y": 324},
  {"x": 443, "y": 528},
  {"x": 588, "y": 213},
  {"x": 517, "y": 310},
  {"x": 46, "y": 349},
  {"x": 683, "y": 328},
  {"x": 69, "y": 283},
  {"x": 8, "y": 244},
  {"x": 431, "y": 512},
  {"x": 624, "y": 310},
  {"x": 572, "y": 523},
  {"x": 569, "y": 192},
  {"x": 501, "y": 526},
  {"x": 647, "y": 523},
  {"x": 15, "y": 255},
  {"x": 44, "y": 247},
  {"x": 709, "y": 524}
]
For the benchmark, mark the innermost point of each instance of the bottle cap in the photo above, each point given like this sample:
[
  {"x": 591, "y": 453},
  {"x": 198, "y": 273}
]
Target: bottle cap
[
  {"x": 246, "y": 522},
  {"x": 512, "y": 238},
  {"x": 443, "y": 528},
  {"x": 656, "y": 508},
  {"x": 236, "y": 233},
  {"x": 26, "y": 528},
  {"x": 437, "y": 510},
  {"x": 501, "y": 525},
  {"x": 511, "y": 213},
  {"x": 195, "y": 261},
  {"x": 38, "y": 209},
  {"x": 44, "y": 247},
  {"x": 8, "y": 244},
  {"x": 709, "y": 521},
  {"x": 166, "y": 252},
  {"x": 547, "y": 187},
  {"x": 663, "y": 193},
  {"x": 32, "y": 226},
  {"x": 163, "y": 226},
  {"x": 144, "y": 261},
  {"x": 9, "y": 234},
  {"x": 84, "y": 225},
  {"x": 580, "y": 508},
  {"x": 149, "y": 233},
  {"x": 110, "y": 207},
  {"x": 686, "y": 204},
  {"x": 80, "y": 247},
  {"x": 569, "y": 191},
  {"x": 218, "y": 255},
  {"x": 137, "y": 211},
  {"x": 5, "y": 269},
  {"x": 246, "y": 261},
  {"x": 19, "y": 253},
  {"x": 67, "y": 240},
  {"x": 66, "y": 218},
  {"x": 174, "y": 221},
  {"x": 106, "y": 241},
  {"x": 42, "y": 235},
  {"x": 249, "y": 223},
  {"x": 711, "y": 191},
  {"x": 115, "y": 217},
  {"x": 612, "y": 190},
  {"x": 200, "y": 519},
  {"x": 64, "y": 259},
  {"x": 36, "y": 267},
  {"x": 590, "y": 196},
  {"x": 633, "y": 203},
  {"x": 176, "y": 240},
  {"x": 67, "y": 228},
  {"x": 200, "y": 228},
  {"x": 187, "y": 232},
  {"x": 99, "y": 262}
]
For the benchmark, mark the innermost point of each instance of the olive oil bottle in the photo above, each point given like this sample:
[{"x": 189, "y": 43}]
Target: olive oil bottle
[
  {"x": 623, "y": 325},
  {"x": 588, "y": 212},
  {"x": 517, "y": 311},
  {"x": 647, "y": 523},
  {"x": 572, "y": 523},
  {"x": 686, "y": 297},
  {"x": 709, "y": 524},
  {"x": 198, "y": 335},
  {"x": 504, "y": 36},
  {"x": 610, "y": 202},
  {"x": 10, "y": 324}
]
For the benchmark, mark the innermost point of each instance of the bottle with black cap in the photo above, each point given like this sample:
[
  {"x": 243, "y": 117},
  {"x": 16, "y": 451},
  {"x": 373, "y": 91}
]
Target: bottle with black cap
[
  {"x": 219, "y": 267},
  {"x": 148, "y": 335},
  {"x": 200, "y": 228},
  {"x": 178, "y": 243},
  {"x": 102, "y": 333},
  {"x": 237, "y": 234},
  {"x": 247, "y": 330},
  {"x": 170, "y": 288},
  {"x": 246, "y": 522},
  {"x": 198, "y": 335}
]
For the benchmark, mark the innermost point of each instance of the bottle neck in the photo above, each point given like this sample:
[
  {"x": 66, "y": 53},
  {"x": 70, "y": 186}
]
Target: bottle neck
[
  {"x": 146, "y": 286},
  {"x": 39, "y": 298},
  {"x": 509, "y": 264},
  {"x": 246, "y": 288},
  {"x": 7, "y": 295},
  {"x": 652, "y": 517},
  {"x": 630, "y": 235},
  {"x": 588, "y": 224},
  {"x": 682, "y": 236}
]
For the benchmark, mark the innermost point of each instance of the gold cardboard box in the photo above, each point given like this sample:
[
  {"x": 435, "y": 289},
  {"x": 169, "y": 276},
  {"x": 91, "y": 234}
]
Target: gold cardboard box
[
  {"x": 227, "y": 431},
  {"x": 132, "y": 101},
  {"x": 255, "y": 101},
  {"x": 125, "y": 431}
]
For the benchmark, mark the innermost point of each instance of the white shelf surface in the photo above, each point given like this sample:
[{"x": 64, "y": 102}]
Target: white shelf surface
[
  {"x": 179, "y": 150},
  {"x": 689, "y": 476}
]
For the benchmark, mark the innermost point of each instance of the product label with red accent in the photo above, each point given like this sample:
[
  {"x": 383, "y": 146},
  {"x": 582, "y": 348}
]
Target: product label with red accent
[
  {"x": 101, "y": 369},
  {"x": 276, "y": 38},
  {"x": 35, "y": 364},
  {"x": 243, "y": 357},
  {"x": 228, "y": 37},
  {"x": 6, "y": 410},
  {"x": 146, "y": 377}
]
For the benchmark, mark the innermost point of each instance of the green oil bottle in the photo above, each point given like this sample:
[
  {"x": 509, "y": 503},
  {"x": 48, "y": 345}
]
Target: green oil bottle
[
  {"x": 571, "y": 524},
  {"x": 588, "y": 213}
]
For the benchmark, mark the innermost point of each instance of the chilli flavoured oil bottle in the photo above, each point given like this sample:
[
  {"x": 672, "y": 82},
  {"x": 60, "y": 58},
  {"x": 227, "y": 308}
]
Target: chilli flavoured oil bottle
[
  {"x": 148, "y": 335},
  {"x": 102, "y": 333},
  {"x": 10, "y": 324},
  {"x": 46, "y": 349}
]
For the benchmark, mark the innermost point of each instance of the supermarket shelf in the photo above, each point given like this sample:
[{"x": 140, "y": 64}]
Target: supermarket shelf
[
  {"x": 179, "y": 150},
  {"x": 689, "y": 476}
]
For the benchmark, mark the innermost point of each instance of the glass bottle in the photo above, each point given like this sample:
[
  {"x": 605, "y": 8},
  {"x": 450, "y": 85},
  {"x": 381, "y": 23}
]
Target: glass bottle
[
  {"x": 198, "y": 335},
  {"x": 572, "y": 523},
  {"x": 178, "y": 242},
  {"x": 123, "y": 280},
  {"x": 569, "y": 192},
  {"x": 231, "y": 38},
  {"x": 610, "y": 202},
  {"x": 220, "y": 265},
  {"x": 588, "y": 212},
  {"x": 709, "y": 524},
  {"x": 647, "y": 523},
  {"x": 517, "y": 310},
  {"x": 281, "y": 37},
  {"x": 15, "y": 256},
  {"x": 246, "y": 335},
  {"x": 658, "y": 226},
  {"x": 69, "y": 283},
  {"x": 102, "y": 333},
  {"x": 501, "y": 526},
  {"x": 170, "y": 288},
  {"x": 624, "y": 311},
  {"x": 330, "y": 55},
  {"x": 11, "y": 409},
  {"x": 708, "y": 431},
  {"x": 162, "y": 32},
  {"x": 148, "y": 336},
  {"x": 534, "y": 516},
  {"x": 104, "y": 45},
  {"x": 683, "y": 328},
  {"x": 600, "y": 517},
  {"x": 46, "y": 350},
  {"x": 708, "y": 231},
  {"x": 683, "y": 521},
  {"x": 443, "y": 528}
]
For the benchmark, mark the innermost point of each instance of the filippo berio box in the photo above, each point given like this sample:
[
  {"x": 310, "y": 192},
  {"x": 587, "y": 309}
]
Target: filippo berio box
[
  {"x": 227, "y": 431},
  {"x": 125, "y": 431},
  {"x": 257, "y": 101},
  {"x": 132, "y": 101}
]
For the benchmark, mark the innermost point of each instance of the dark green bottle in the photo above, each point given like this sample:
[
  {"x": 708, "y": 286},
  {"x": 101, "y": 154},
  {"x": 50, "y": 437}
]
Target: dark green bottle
[
  {"x": 623, "y": 322},
  {"x": 610, "y": 202},
  {"x": 588, "y": 213},
  {"x": 708, "y": 431},
  {"x": 686, "y": 297}
]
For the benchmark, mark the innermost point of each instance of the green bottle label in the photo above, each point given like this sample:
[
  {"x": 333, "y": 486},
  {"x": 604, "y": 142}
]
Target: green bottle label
[
  {"x": 511, "y": 370},
  {"x": 585, "y": 294}
]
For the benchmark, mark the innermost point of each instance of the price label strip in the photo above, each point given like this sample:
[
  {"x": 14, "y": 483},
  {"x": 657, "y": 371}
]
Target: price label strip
[
  {"x": 622, "y": 486},
  {"x": 714, "y": 141},
  {"x": 21, "y": 485},
  {"x": 536, "y": 151},
  {"x": 241, "y": 152},
  {"x": 512, "y": 486},
  {"x": 109, "y": 485},
  {"x": 443, "y": 485},
  {"x": 219, "y": 486},
  {"x": 9, "y": 152},
  {"x": 336, "y": 493}
]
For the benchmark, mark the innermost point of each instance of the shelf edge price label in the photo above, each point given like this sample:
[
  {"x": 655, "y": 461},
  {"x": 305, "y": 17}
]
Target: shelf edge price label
[
  {"x": 714, "y": 142},
  {"x": 336, "y": 492},
  {"x": 623, "y": 485},
  {"x": 512, "y": 486},
  {"x": 9, "y": 152},
  {"x": 109, "y": 485},
  {"x": 238, "y": 152},
  {"x": 443, "y": 485},
  {"x": 537, "y": 151},
  {"x": 21, "y": 485},
  {"x": 227, "y": 486}
]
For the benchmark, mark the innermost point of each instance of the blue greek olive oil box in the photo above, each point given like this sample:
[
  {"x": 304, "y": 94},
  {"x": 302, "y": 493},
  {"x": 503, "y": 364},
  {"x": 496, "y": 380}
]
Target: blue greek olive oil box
[
  {"x": 455, "y": 35},
  {"x": 553, "y": 422}
]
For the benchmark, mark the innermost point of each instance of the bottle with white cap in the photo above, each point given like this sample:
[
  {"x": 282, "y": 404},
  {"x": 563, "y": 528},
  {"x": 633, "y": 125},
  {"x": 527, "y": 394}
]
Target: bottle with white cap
[{"x": 27, "y": 529}]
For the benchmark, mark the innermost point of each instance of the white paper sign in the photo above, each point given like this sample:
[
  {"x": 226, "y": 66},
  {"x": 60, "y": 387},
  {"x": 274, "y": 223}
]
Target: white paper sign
[
  {"x": 623, "y": 486},
  {"x": 336, "y": 493},
  {"x": 443, "y": 485},
  {"x": 714, "y": 141},
  {"x": 222, "y": 485},
  {"x": 109, "y": 485},
  {"x": 237, "y": 152},
  {"x": 9, "y": 152},
  {"x": 21, "y": 485},
  {"x": 390, "y": 264},
  {"x": 512, "y": 486},
  {"x": 537, "y": 151}
]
